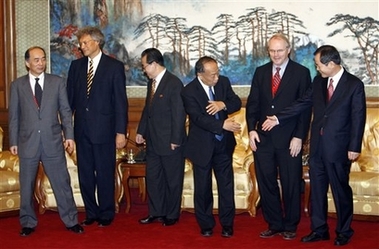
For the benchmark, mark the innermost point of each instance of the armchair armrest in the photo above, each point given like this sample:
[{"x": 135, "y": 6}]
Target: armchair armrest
[
  {"x": 9, "y": 162},
  {"x": 254, "y": 195}
]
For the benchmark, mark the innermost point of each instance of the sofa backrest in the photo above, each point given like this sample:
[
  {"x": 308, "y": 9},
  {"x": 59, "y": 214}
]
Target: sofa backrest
[{"x": 368, "y": 161}]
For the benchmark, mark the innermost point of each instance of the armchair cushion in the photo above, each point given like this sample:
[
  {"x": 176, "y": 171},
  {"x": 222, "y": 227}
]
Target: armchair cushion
[
  {"x": 44, "y": 193},
  {"x": 9, "y": 180}
]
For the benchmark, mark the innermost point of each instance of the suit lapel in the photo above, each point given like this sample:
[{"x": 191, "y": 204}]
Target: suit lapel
[
  {"x": 28, "y": 92},
  {"x": 324, "y": 82},
  {"x": 339, "y": 89},
  {"x": 100, "y": 70},
  {"x": 200, "y": 92},
  {"x": 267, "y": 86},
  {"x": 47, "y": 91},
  {"x": 161, "y": 86},
  {"x": 286, "y": 78}
]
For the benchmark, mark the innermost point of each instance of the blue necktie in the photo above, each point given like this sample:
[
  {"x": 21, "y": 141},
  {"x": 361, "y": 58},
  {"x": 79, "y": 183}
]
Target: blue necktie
[{"x": 212, "y": 97}]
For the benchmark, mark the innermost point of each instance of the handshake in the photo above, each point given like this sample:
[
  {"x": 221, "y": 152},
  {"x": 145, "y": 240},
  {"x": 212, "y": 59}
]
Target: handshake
[{"x": 270, "y": 123}]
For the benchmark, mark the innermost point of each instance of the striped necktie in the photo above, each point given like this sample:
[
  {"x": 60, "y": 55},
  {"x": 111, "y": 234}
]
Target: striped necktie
[
  {"x": 275, "y": 81},
  {"x": 152, "y": 92},
  {"x": 89, "y": 77}
]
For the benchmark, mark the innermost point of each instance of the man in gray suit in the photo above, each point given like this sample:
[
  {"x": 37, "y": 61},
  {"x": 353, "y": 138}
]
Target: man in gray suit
[{"x": 39, "y": 118}]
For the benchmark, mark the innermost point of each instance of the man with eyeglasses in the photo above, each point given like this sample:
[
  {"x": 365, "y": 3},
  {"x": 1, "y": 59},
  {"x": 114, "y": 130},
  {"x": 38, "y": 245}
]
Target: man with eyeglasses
[
  {"x": 97, "y": 96},
  {"x": 162, "y": 127},
  {"x": 278, "y": 153}
]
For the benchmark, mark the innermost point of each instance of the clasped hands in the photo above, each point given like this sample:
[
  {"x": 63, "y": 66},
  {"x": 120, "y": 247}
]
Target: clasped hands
[
  {"x": 229, "y": 124},
  {"x": 268, "y": 124}
]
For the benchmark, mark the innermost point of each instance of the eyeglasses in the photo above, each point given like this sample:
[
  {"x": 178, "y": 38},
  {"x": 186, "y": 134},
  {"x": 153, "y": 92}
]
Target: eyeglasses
[
  {"x": 145, "y": 66},
  {"x": 85, "y": 43},
  {"x": 279, "y": 51}
]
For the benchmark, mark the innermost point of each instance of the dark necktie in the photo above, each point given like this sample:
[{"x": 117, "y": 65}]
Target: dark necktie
[
  {"x": 330, "y": 89},
  {"x": 89, "y": 77},
  {"x": 212, "y": 97},
  {"x": 275, "y": 81},
  {"x": 38, "y": 92}
]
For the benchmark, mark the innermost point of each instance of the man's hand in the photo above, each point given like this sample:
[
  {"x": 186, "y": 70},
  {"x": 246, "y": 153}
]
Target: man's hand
[
  {"x": 139, "y": 139},
  {"x": 214, "y": 107},
  {"x": 352, "y": 155},
  {"x": 13, "y": 150},
  {"x": 231, "y": 125},
  {"x": 254, "y": 139},
  {"x": 174, "y": 146},
  {"x": 270, "y": 123},
  {"x": 295, "y": 146},
  {"x": 69, "y": 146},
  {"x": 120, "y": 141}
]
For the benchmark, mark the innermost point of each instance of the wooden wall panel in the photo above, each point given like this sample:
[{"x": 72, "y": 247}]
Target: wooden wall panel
[{"x": 7, "y": 65}]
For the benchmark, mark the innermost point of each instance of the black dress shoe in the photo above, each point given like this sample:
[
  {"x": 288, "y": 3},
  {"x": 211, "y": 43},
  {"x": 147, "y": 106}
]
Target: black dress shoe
[
  {"x": 288, "y": 235},
  {"x": 206, "y": 232},
  {"x": 227, "y": 231},
  {"x": 269, "y": 233},
  {"x": 150, "y": 219},
  {"x": 88, "y": 222},
  {"x": 313, "y": 237},
  {"x": 169, "y": 222},
  {"x": 104, "y": 222},
  {"x": 76, "y": 229},
  {"x": 26, "y": 231},
  {"x": 341, "y": 240}
]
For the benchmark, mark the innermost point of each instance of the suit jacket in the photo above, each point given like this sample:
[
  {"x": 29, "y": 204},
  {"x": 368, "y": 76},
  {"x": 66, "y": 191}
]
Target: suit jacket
[
  {"x": 163, "y": 121},
  {"x": 341, "y": 121},
  {"x": 29, "y": 126},
  {"x": 260, "y": 103},
  {"x": 203, "y": 126},
  {"x": 104, "y": 113}
]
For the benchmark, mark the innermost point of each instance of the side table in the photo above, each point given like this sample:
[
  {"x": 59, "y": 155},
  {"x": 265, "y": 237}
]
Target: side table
[
  {"x": 136, "y": 170},
  {"x": 307, "y": 189}
]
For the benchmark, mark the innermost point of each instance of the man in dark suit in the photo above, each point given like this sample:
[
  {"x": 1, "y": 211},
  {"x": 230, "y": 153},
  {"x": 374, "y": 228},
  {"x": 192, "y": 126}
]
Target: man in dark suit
[
  {"x": 39, "y": 115},
  {"x": 278, "y": 152},
  {"x": 208, "y": 100},
  {"x": 339, "y": 116},
  {"x": 162, "y": 126},
  {"x": 97, "y": 95}
]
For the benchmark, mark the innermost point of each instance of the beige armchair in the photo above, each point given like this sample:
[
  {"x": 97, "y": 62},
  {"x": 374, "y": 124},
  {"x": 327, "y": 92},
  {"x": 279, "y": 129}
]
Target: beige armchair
[
  {"x": 45, "y": 196},
  {"x": 364, "y": 175},
  {"x": 44, "y": 193},
  {"x": 242, "y": 166},
  {"x": 9, "y": 181}
]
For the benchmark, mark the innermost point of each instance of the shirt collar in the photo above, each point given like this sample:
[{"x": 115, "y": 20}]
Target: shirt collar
[{"x": 336, "y": 78}]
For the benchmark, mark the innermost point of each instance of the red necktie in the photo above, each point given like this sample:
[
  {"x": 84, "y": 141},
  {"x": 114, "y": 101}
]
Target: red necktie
[
  {"x": 330, "y": 89},
  {"x": 275, "y": 81}
]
